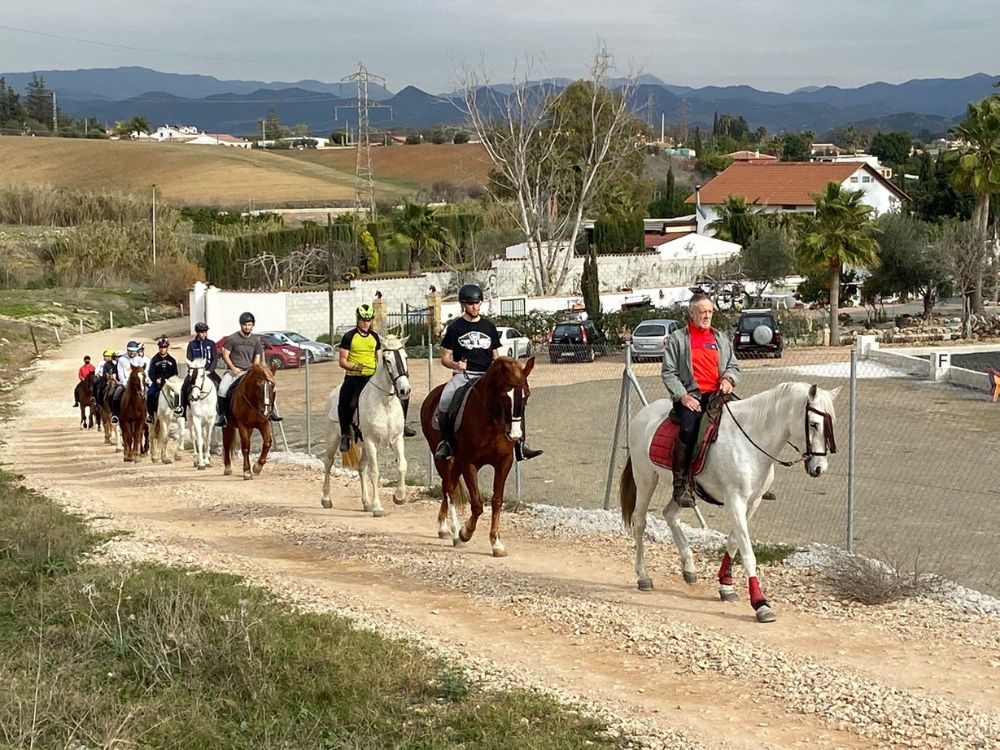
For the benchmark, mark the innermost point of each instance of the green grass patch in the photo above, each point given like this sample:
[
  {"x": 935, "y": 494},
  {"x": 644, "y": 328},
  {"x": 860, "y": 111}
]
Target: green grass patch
[
  {"x": 149, "y": 656},
  {"x": 767, "y": 553}
]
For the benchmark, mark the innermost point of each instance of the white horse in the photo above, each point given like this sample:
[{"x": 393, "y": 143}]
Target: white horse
[
  {"x": 380, "y": 417},
  {"x": 201, "y": 412},
  {"x": 166, "y": 425},
  {"x": 738, "y": 470}
]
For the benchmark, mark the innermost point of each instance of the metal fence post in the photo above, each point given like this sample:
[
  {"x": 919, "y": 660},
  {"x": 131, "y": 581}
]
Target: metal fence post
[
  {"x": 428, "y": 342},
  {"x": 851, "y": 440},
  {"x": 308, "y": 414},
  {"x": 111, "y": 318}
]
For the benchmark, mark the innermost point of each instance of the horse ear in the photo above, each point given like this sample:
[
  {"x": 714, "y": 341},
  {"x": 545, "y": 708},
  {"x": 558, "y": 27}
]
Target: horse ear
[
  {"x": 527, "y": 366},
  {"x": 834, "y": 392},
  {"x": 402, "y": 342},
  {"x": 812, "y": 392},
  {"x": 272, "y": 368}
]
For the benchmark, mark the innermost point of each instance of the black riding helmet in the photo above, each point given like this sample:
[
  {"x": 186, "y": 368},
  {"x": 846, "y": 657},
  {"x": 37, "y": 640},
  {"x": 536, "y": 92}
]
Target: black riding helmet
[
  {"x": 247, "y": 317},
  {"x": 201, "y": 327},
  {"x": 470, "y": 293}
]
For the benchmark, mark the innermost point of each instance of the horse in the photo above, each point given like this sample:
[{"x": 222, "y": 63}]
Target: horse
[
  {"x": 84, "y": 395},
  {"x": 491, "y": 425},
  {"x": 133, "y": 413},
  {"x": 201, "y": 411},
  {"x": 380, "y": 418},
  {"x": 251, "y": 400},
  {"x": 166, "y": 424},
  {"x": 111, "y": 433},
  {"x": 737, "y": 471}
]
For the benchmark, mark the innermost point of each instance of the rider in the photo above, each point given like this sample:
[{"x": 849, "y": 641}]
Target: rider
[
  {"x": 108, "y": 366},
  {"x": 242, "y": 351},
  {"x": 358, "y": 356},
  {"x": 470, "y": 345},
  {"x": 200, "y": 347},
  {"x": 125, "y": 364},
  {"x": 83, "y": 372},
  {"x": 162, "y": 367},
  {"x": 698, "y": 363}
]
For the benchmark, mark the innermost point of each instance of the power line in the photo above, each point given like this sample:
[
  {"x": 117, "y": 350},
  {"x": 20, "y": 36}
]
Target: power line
[{"x": 120, "y": 46}]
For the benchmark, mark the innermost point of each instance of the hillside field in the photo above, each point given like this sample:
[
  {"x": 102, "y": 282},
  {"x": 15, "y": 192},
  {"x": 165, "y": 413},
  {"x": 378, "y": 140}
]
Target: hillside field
[{"x": 230, "y": 177}]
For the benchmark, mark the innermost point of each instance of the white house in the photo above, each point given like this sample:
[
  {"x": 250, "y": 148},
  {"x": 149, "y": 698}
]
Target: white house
[
  {"x": 219, "y": 139},
  {"x": 181, "y": 133},
  {"x": 789, "y": 187}
]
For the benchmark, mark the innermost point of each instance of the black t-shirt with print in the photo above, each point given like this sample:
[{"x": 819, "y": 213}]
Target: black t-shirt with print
[{"x": 473, "y": 342}]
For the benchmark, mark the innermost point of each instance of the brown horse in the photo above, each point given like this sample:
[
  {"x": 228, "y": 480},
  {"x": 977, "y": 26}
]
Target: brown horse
[
  {"x": 84, "y": 395},
  {"x": 133, "y": 413},
  {"x": 104, "y": 408},
  {"x": 491, "y": 425},
  {"x": 251, "y": 400}
]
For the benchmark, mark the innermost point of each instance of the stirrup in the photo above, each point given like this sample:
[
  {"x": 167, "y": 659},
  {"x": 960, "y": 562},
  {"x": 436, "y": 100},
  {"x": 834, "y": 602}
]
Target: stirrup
[
  {"x": 220, "y": 421},
  {"x": 443, "y": 450},
  {"x": 114, "y": 419},
  {"x": 683, "y": 496},
  {"x": 409, "y": 431}
]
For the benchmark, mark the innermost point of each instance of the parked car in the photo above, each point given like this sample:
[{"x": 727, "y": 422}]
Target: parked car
[
  {"x": 650, "y": 337},
  {"x": 316, "y": 350},
  {"x": 277, "y": 354},
  {"x": 579, "y": 341},
  {"x": 757, "y": 332},
  {"x": 513, "y": 343}
]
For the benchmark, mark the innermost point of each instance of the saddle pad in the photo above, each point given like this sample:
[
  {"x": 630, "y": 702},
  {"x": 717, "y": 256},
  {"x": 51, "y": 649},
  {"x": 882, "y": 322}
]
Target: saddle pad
[
  {"x": 662, "y": 445},
  {"x": 456, "y": 409}
]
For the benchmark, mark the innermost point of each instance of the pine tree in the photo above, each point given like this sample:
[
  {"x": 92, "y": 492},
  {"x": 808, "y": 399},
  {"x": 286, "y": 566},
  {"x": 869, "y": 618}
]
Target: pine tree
[{"x": 38, "y": 101}]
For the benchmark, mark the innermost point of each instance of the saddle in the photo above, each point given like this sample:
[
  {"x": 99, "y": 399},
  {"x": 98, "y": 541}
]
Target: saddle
[
  {"x": 456, "y": 409},
  {"x": 662, "y": 445}
]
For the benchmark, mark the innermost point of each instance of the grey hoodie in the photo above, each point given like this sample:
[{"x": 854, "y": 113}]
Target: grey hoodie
[{"x": 677, "y": 372}]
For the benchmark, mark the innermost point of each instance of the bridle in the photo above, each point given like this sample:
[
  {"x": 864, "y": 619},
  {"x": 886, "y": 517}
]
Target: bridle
[
  {"x": 198, "y": 376},
  {"x": 264, "y": 408},
  {"x": 397, "y": 371},
  {"x": 829, "y": 441},
  {"x": 517, "y": 402}
]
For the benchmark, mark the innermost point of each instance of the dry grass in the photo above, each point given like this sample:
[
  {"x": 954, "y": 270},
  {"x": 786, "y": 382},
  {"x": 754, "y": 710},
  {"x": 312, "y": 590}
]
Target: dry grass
[
  {"x": 869, "y": 581},
  {"x": 230, "y": 177}
]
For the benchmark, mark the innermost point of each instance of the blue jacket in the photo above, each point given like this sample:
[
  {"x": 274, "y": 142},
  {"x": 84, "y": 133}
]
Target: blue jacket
[{"x": 198, "y": 349}]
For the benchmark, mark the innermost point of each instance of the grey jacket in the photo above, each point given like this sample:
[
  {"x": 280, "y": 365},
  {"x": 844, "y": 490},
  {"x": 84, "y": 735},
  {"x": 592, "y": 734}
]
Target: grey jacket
[{"x": 677, "y": 372}]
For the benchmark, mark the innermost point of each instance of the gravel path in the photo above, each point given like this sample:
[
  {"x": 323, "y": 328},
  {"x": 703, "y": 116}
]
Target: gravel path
[{"x": 672, "y": 668}]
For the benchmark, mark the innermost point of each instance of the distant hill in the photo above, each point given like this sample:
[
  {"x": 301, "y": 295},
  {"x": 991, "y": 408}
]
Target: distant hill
[{"x": 930, "y": 105}]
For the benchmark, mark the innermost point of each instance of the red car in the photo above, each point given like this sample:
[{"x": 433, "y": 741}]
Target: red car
[{"x": 277, "y": 354}]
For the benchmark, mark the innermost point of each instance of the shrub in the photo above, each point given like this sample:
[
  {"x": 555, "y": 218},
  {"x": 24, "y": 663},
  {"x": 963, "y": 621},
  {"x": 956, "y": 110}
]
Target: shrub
[
  {"x": 861, "y": 579},
  {"x": 173, "y": 279}
]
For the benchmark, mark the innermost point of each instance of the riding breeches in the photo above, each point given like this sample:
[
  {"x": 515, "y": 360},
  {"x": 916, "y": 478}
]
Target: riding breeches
[
  {"x": 350, "y": 391},
  {"x": 689, "y": 420},
  {"x": 457, "y": 381},
  {"x": 226, "y": 383}
]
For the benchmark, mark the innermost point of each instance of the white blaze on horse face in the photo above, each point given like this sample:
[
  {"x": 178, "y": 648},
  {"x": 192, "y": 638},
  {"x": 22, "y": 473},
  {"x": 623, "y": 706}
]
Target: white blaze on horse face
[{"x": 816, "y": 441}]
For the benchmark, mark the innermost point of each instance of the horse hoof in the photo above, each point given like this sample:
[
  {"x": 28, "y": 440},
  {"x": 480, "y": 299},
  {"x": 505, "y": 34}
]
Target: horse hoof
[
  {"x": 247, "y": 476},
  {"x": 690, "y": 578},
  {"x": 765, "y": 614},
  {"x": 456, "y": 542},
  {"x": 645, "y": 584},
  {"x": 154, "y": 459},
  {"x": 499, "y": 552},
  {"x": 399, "y": 500},
  {"x": 257, "y": 469},
  {"x": 727, "y": 594},
  {"x": 325, "y": 502},
  {"x": 227, "y": 472},
  {"x": 442, "y": 534},
  {"x": 463, "y": 537},
  {"x": 378, "y": 513},
  {"x": 168, "y": 461},
  {"x": 202, "y": 467},
  {"x": 368, "y": 507}
]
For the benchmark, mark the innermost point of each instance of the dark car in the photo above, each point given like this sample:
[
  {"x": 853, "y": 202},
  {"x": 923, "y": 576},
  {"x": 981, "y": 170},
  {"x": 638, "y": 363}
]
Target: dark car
[
  {"x": 579, "y": 341},
  {"x": 277, "y": 354},
  {"x": 757, "y": 332}
]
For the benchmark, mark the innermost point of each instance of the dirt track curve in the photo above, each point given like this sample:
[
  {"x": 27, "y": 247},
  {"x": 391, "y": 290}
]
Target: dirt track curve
[{"x": 677, "y": 667}]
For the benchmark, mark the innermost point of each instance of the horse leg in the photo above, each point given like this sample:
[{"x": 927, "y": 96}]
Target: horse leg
[
  {"x": 399, "y": 496},
  {"x": 363, "y": 478},
  {"x": 496, "y": 505},
  {"x": 374, "y": 476},
  {"x": 738, "y": 510},
  {"x": 246, "y": 435},
  {"x": 265, "y": 446},
  {"x": 445, "y": 510},
  {"x": 228, "y": 432},
  {"x": 471, "y": 477},
  {"x": 332, "y": 448},
  {"x": 672, "y": 514},
  {"x": 645, "y": 484},
  {"x": 726, "y": 590}
]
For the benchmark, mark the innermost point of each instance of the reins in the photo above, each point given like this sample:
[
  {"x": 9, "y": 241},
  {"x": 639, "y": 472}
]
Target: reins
[{"x": 830, "y": 442}]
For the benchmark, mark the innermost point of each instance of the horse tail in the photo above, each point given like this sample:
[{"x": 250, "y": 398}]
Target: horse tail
[
  {"x": 461, "y": 494},
  {"x": 351, "y": 459},
  {"x": 626, "y": 493}
]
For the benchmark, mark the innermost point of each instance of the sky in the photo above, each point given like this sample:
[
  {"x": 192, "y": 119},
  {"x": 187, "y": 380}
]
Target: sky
[{"x": 776, "y": 45}]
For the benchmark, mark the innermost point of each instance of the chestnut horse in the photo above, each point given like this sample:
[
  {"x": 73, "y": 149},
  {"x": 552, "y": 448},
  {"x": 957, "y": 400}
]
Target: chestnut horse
[
  {"x": 84, "y": 395},
  {"x": 133, "y": 413},
  {"x": 251, "y": 400},
  {"x": 491, "y": 425}
]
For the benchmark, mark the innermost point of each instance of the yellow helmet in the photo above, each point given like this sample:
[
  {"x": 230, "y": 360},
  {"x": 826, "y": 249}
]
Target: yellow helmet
[
  {"x": 109, "y": 352},
  {"x": 365, "y": 312}
]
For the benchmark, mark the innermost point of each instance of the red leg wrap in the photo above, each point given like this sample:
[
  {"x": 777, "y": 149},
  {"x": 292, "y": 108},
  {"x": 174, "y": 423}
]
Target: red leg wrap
[
  {"x": 756, "y": 597},
  {"x": 726, "y": 570}
]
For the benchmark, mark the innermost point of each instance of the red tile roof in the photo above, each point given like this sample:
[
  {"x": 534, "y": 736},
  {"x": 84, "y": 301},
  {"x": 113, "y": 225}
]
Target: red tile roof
[
  {"x": 784, "y": 183},
  {"x": 751, "y": 156},
  {"x": 655, "y": 239}
]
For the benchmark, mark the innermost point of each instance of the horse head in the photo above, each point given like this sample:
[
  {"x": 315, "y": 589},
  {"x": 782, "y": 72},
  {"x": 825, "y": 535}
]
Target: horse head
[
  {"x": 257, "y": 391},
  {"x": 197, "y": 376},
  {"x": 819, "y": 437},
  {"x": 137, "y": 379},
  {"x": 510, "y": 381},
  {"x": 395, "y": 365}
]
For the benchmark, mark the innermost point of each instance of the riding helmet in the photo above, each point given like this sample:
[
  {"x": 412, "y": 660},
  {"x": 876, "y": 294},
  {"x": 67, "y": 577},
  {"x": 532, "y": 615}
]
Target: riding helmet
[
  {"x": 365, "y": 312},
  {"x": 120, "y": 353},
  {"x": 109, "y": 352},
  {"x": 200, "y": 327},
  {"x": 164, "y": 341},
  {"x": 133, "y": 346},
  {"x": 470, "y": 293},
  {"x": 247, "y": 317}
]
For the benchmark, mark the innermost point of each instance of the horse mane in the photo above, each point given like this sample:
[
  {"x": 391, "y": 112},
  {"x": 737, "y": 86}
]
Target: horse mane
[{"x": 758, "y": 411}]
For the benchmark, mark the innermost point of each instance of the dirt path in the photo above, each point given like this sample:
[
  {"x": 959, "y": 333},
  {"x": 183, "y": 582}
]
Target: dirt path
[{"x": 677, "y": 666}]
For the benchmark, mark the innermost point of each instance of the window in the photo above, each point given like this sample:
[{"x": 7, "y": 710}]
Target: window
[
  {"x": 866, "y": 178},
  {"x": 854, "y": 179},
  {"x": 512, "y": 307}
]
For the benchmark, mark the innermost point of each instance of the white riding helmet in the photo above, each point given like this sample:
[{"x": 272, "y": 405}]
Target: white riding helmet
[{"x": 120, "y": 353}]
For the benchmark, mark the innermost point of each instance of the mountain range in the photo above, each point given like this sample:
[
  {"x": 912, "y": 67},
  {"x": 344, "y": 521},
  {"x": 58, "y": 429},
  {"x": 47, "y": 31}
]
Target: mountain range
[{"x": 920, "y": 106}]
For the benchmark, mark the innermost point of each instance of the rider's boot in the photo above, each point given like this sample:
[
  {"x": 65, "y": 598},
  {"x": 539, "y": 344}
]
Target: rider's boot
[
  {"x": 523, "y": 452},
  {"x": 345, "y": 439},
  {"x": 181, "y": 409},
  {"x": 407, "y": 430},
  {"x": 444, "y": 449},
  {"x": 116, "y": 407},
  {"x": 274, "y": 416},
  {"x": 679, "y": 465},
  {"x": 221, "y": 407}
]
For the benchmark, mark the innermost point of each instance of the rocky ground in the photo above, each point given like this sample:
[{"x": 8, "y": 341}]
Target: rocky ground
[{"x": 671, "y": 668}]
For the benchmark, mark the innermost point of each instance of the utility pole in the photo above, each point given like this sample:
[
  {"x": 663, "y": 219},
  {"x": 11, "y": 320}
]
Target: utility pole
[
  {"x": 263, "y": 135},
  {"x": 364, "y": 180},
  {"x": 154, "y": 227},
  {"x": 329, "y": 273},
  {"x": 55, "y": 116}
]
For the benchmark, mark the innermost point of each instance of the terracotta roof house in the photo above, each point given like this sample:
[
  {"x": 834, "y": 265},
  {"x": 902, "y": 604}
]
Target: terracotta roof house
[
  {"x": 751, "y": 156},
  {"x": 789, "y": 187}
]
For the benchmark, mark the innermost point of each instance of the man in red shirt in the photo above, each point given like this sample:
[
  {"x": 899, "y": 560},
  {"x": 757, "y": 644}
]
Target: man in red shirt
[
  {"x": 698, "y": 362},
  {"x": 83, "y": 372}
]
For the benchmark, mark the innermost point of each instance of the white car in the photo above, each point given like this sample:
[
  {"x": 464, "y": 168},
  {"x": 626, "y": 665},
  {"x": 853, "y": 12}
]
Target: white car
[
  {"x": 512, "y": 343},
  {"x": 315, "y": 350}
]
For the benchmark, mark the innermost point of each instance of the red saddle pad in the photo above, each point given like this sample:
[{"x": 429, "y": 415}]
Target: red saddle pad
[{"x": 662, "y": 445}]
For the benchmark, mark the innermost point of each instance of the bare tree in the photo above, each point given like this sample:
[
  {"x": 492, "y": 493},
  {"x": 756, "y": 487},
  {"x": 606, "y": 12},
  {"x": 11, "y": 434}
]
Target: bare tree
[
  {"x": 550, "y": 164},
  {"x": 962, "y": 252}
]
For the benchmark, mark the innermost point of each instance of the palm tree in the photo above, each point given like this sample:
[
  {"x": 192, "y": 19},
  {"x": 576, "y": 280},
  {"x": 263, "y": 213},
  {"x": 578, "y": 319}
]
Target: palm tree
[
  {"x": 842, "y": 233},
  {"x": 419, "y": 226},
  {"x": 977, "y": 170},
  {"x": 736, "y": 220}
]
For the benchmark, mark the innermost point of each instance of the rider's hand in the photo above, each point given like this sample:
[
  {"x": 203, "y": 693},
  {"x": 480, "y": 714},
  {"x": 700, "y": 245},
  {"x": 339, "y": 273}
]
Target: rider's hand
[
  {"x": 461, "y": 365},
  {"x": 726, "y": 386},
  {"x": 690, "y": 402}
]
